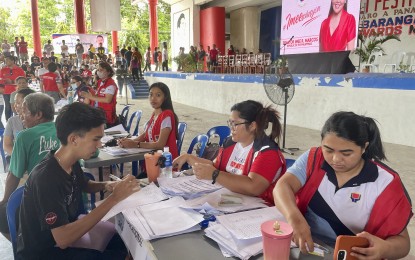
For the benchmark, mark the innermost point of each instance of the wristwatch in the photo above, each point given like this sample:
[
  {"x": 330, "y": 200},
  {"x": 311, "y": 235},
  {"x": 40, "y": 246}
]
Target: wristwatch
[{"x": 215, "y": 175}]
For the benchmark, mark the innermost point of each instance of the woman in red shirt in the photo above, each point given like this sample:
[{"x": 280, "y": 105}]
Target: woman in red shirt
[
  {"x": 161, "y": 129},
  {"x": 338, "y": 30},
  {"x": 106, "y": 93}
]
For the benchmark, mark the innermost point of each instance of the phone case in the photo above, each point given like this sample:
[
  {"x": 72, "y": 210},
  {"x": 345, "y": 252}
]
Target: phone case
[{"x": 344, "y": 246}]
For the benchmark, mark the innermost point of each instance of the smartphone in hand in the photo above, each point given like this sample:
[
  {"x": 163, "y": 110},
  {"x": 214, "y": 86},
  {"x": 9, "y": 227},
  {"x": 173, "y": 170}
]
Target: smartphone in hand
[{"x": 344, "y": 246}]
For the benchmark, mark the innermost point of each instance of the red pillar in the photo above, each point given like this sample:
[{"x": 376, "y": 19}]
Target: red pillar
[
  {"x": 114, "y": 41},
  {"x": 80, "y": 16},
  {"x": 212, "y": 28},
  {"x": 154, "y": 42},
  {"x": 36, "y": 29}
]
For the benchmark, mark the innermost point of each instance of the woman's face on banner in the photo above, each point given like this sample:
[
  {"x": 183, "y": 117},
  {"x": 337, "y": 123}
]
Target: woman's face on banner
[{"x": 338, "y": 5}]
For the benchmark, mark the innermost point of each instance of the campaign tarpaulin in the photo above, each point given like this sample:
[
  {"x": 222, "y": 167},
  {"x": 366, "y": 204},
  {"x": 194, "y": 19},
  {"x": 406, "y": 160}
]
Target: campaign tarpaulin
[{"x": 85, "y": 39}]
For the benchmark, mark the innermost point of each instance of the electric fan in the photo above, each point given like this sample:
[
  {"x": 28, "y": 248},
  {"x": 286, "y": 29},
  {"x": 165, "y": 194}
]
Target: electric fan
[{"x": 280, "y": 88}]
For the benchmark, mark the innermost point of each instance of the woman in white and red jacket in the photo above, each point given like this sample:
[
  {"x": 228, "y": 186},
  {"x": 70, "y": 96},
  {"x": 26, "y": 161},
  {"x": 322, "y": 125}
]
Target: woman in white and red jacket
[
  {"x": 342, "y": 188},
  {"x": 250, "y": 162},
  {"x": 105, "y": 96}
]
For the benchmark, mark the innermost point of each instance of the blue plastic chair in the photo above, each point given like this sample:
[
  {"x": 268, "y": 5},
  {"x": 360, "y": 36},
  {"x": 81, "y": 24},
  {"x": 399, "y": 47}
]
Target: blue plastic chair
[
  {"x": 124, "y": 113},
  {"x": 289, "y": 162},
  {"x": 222, "y": 131},
  {"x": 181, "y": 130},
  {"x": 202, "y": 139},
  {"x": 137, "y": 114},
  {"x": 3, "y": 155},
  {"x": 11, "y": 210}
]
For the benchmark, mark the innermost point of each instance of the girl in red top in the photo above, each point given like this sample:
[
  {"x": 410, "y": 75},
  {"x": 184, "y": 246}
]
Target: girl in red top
[
  {"x": 338, "y": 31},
  {"x": 161, "y": 129},
  {"x": 106, "y": 93},
  {"x": 250, "y": 161}
]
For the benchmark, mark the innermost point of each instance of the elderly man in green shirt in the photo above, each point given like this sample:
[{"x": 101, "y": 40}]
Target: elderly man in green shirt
[{"x": 31, "y": 145}]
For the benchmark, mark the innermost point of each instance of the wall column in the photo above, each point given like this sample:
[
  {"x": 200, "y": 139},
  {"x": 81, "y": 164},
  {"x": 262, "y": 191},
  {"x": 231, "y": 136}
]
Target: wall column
[
  {"x": 212, "y": 28},
  {"x": 80, "y": 16},
  {"x": 36, "y": 28},
  {"x": 245, "y": 29},
  {"x": 114, "y": 41},
  {"x": 154, "y": 34}
]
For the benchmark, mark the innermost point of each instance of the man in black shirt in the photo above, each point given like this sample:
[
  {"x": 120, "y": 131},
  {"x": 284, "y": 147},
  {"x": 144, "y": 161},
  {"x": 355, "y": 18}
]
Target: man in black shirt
[
  {"x": 48, "y": 214},
  {"x": 128, "y": 54},
  {"x": 123, "y": 51}
]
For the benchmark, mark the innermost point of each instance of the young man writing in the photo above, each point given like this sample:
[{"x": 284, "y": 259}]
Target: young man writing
[{"x": 48, "y": 214}]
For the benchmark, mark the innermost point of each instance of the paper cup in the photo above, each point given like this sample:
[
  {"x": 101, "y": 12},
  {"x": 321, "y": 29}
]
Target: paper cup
[{"x": 152, "y": 169}]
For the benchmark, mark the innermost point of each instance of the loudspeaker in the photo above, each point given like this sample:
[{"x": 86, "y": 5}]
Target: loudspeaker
[
  {"x": 320, "y": 63},
  {"x": 105, "y": 15}
]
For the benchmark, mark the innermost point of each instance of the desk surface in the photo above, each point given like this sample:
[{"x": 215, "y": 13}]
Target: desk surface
[
  {"x": 105, "y": 159},
  {"x": 197, "y": 246}
]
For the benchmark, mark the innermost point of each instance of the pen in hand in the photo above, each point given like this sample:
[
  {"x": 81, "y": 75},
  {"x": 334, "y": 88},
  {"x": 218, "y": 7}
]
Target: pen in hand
[{"x": 114, "y": 178}]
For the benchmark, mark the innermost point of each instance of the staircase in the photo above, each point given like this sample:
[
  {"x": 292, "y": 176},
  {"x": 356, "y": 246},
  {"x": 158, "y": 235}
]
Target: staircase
[{"x": 138, "y": 89}]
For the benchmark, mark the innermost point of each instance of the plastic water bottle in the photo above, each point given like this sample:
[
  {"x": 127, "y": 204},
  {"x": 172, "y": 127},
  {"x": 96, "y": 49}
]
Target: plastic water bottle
[
  {"x": 70, "y": 95},
  {"x": 167, "y": 170}
]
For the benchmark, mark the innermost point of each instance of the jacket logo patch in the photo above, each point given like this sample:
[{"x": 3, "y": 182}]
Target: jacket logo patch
[
  {"x": 51, "y": 218},
  {"x": 355, "y": 197}
]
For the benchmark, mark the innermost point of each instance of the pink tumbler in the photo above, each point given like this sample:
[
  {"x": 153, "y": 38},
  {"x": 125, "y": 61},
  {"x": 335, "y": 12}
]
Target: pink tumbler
[
  {"x": 152, "y": 168},
  {"x": 276, "y": 243}
]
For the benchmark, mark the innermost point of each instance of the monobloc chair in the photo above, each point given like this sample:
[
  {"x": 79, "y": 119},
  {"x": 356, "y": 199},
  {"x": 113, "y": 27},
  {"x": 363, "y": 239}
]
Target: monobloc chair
[
  {"x": 3, "y": 155},
  {"x": 289, "y": 162},
  {"x": 202, "y": 139},
  {"x": 222, "y": 131},
  {"x": 11, "y": 210},
  {"x": 181, "y": 130},
  {"x": 124, "y": 114},
  {"x": 137, "y": 114}
]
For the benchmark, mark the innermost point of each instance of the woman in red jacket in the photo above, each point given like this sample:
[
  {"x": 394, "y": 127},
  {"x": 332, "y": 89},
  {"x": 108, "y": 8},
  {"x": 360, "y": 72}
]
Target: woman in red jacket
[
  {"x": 106, "y": 93},
  {"x": 161, "y": 129}
]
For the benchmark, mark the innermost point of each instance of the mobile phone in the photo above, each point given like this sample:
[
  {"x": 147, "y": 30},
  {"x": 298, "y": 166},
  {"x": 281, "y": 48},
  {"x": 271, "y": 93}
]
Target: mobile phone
[{"x": 344, "y": 246}]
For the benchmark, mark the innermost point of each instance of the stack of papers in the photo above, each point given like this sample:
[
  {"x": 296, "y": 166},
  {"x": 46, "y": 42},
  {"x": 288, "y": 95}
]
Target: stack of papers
[
  {"x": 225, "y": 201},
  {"x": 118, "y": 151},
  {"x": 163, "y": 219},
  {"x": 239, "y": 234},
  {"x": 147, "y": 195},
  {"x": 188, "y": 187}
]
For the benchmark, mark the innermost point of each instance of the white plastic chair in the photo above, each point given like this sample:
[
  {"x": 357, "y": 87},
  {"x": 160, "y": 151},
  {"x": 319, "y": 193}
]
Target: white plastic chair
[
  {"x": 374, "y": 65},
  {"x": 396, "y": 59}
]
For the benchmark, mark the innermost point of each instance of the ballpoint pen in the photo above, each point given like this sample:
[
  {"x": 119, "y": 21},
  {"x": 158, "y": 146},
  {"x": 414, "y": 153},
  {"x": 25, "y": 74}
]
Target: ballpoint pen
[{"x": 115, "y": 178}]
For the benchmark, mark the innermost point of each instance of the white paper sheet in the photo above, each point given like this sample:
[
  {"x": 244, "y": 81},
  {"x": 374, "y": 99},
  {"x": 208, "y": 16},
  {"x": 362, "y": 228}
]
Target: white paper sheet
[
  {"x": 147, "y": 195},
  {"x": 119, "y": 128},
  {"x": 247, "y": 224},
  {"x": 188, "y": 187},
  {"x": 118, "y": 151}
]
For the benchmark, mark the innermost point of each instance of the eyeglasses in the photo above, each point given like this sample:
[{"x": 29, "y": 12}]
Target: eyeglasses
[{"x": 232, "y": 124}]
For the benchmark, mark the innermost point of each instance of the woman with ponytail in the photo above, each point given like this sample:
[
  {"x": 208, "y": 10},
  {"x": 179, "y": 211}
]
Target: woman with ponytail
[
  {"x": 342, "y": 188},
  {"x": 250, "y": 161}
]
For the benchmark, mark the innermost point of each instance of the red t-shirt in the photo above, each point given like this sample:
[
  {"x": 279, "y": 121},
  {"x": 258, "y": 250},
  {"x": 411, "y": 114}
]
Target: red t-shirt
[
  {"x": 12, "y": 74},
  {"x": 22, "y": 47},
  {"x": 86, "y": 73},
  {"x": 344, "y": 33},
  {"x": 213, "y": 53},
  {"x": 50, "y": 81}
]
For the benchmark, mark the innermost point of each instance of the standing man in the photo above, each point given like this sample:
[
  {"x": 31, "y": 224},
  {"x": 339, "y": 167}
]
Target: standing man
[
  {"x": 213, "y": 55},
  {"x": 31, "y": 145},
  {"x": 79, "y": 49},
  {"x": 48, "y": 213},
  {"x": 128, "y": 54},
  {"x": 165, "y": 58},
  {"x": 48, "y": 48},
  {"x": 8, "y": 75},
  {"x": 101, "y": 52},
  {"x": 64, "y": 49},
  {"x": 6, "y": 48},
  {"x": 24, "y": 54},
  {"x": 123, "y": 51},
  {"x": 16, "y": 49},
  {"x": 156, "y": 58}
]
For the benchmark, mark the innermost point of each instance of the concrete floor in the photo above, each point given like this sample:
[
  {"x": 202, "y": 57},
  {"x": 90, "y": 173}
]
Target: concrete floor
[{"x": 199, "y": 121}]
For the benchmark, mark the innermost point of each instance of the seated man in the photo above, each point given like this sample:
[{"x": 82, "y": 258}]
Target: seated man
[
  {"x": 48, "y": 214},
  {"x": 31, "y": 145}
]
